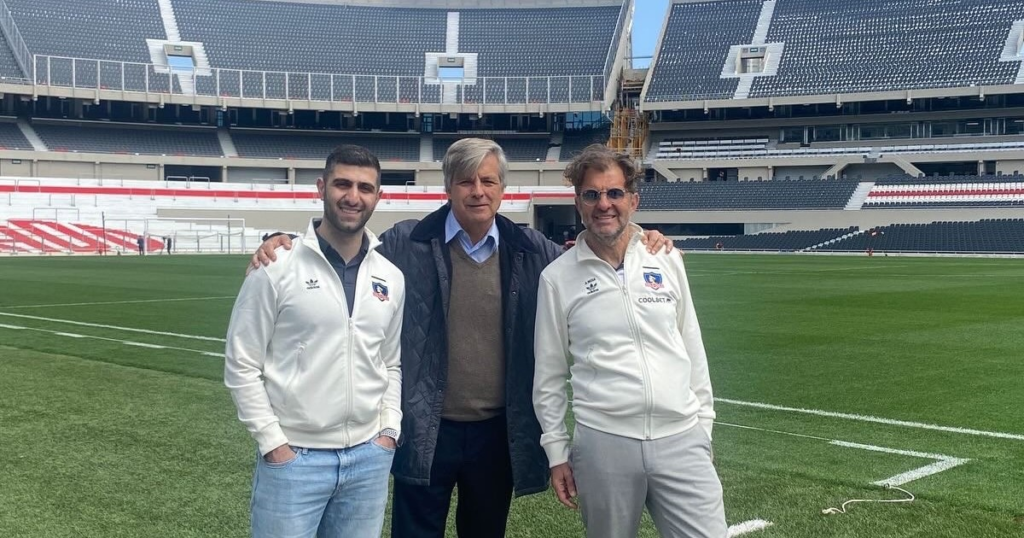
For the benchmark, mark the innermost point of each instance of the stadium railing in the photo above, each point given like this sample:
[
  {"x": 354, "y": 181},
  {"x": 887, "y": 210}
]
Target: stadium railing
[
  {"x": 17, "y": 43},
  {"x": 92, "y": 74}
]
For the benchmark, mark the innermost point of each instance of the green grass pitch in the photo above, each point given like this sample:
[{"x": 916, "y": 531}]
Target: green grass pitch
[{"x": 115, "y": 421}]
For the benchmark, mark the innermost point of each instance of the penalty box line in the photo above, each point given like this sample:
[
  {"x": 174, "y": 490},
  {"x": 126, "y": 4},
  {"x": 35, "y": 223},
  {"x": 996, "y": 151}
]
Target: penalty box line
[
  {"x": 876, "y": 420},
  {"x": 942, "y": 462}
]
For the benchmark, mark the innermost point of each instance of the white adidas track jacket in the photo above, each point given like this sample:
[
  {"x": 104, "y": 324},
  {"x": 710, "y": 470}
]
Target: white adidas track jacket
[
  {"x": 633, "y": 350},
  {"x": 301, "y": 370}
]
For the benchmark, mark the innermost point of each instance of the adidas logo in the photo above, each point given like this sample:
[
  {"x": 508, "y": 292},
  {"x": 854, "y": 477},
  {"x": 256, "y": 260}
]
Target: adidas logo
[{"x": 312, "y": 284}]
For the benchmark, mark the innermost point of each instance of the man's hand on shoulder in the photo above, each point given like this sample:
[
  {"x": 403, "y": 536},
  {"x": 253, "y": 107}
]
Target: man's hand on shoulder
[
  {"x": 655, "y": 241},
  {"x": 265, "y": 253}
]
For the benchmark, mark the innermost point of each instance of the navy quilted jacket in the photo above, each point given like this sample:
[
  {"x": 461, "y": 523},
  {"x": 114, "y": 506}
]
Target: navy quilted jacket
[{"x": 419, "y": 250}]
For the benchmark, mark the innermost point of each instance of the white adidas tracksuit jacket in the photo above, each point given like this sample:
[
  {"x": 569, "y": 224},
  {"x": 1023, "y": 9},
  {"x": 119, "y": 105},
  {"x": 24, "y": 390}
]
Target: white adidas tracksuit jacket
[
  {"x": 633, "y": 348},
  {"x": 301, "y": 370}
]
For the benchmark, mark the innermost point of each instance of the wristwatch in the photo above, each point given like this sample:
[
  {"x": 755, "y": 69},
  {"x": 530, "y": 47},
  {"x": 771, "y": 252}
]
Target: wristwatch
[{"x": 390, "y": 432}]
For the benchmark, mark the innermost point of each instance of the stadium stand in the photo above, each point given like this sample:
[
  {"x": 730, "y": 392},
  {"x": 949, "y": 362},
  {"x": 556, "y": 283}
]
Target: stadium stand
[
  {"x": 94, "y": 29},
  {"x": 989, "y": 235},
  {"x": 952, "y": 191},
  {"x": 955, "y": 179},
  {"x": 516, "y": 149},
  {"x": 101, "y": 34},
  {"x": 143, "y": 140},
  {"x": 268, "y": 145},
  {"x": 575, "y": 141},
  {"x": 674, "y": 149},
  {"x": 726, "y": 196},
  {"x": 790, "y": 241},
  {"x": 695, "y": 46},
  {"x": 837, "y": 46},
  {"x": 9, "y": 68},
  {"x": 545, "y": 42},
  {"x": 12, "y": 138},
  {"x": 313, "y": 38}
]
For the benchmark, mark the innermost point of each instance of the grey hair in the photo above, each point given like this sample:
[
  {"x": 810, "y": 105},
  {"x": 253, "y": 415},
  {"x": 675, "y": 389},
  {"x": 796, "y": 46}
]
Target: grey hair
[{"x": 464, "y": 157}]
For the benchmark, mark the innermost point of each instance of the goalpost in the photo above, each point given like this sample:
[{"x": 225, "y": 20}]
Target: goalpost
[{"x": 190, "y": 235}]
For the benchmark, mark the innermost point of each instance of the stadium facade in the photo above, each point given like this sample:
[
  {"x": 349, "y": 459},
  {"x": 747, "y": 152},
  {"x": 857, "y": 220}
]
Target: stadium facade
[{"x": 756, "y": 118}]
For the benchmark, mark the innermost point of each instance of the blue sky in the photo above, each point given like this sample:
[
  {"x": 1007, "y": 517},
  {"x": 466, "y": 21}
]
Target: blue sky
[{"x": 647, "y": 21}]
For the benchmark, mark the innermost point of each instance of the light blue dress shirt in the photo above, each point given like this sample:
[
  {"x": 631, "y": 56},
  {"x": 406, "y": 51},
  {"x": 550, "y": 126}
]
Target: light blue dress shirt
[{"x": 479, "y": 252}]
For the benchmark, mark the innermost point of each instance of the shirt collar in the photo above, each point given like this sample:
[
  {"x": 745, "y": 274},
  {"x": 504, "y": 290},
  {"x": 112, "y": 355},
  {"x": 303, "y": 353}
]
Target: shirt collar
[
  {"x": 452, "y": 228},
  {"x": 333, "y": 256},
  {"x": 584, "y": 252}
]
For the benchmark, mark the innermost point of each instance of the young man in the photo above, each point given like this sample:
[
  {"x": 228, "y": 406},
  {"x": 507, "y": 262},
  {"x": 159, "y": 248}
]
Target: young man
[
  {"x": 467, "y": 353},
  {"x": 621, "y": 321},
  {"x": 313, "y": 364}
]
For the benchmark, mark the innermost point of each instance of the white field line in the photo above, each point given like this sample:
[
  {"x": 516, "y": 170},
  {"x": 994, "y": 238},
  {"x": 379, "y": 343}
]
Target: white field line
[
  {"x": 877, "y": 420},
  {"x": 125, "y": 342},
  {"x": 139, "y": 301},
  {"x": 901, "y": 275},
  {"x": 114, "y": 327},
  {"x": 795, "y": 272},
  {"x": 748, "y": 526},
  {"x": 142, "y": 344},
  {"x": 942, "y": 462}
]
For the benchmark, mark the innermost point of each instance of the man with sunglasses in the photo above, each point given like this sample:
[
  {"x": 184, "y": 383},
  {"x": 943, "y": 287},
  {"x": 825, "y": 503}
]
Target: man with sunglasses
[{"x": 621, "y": 321}]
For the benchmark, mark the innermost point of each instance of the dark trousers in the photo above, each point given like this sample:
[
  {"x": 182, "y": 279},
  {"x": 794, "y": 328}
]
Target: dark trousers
[{"x": 473, "y": 456}]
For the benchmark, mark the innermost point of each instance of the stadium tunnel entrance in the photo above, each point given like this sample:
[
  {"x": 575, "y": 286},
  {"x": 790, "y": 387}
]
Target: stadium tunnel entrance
[{"x": 560, "y": 223}]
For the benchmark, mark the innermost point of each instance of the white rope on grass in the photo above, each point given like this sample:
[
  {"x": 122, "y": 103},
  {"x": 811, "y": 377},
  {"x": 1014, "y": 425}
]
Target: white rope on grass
[{"x": 842, "y": 509}]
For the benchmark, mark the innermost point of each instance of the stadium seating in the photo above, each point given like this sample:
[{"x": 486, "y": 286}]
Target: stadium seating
[
  {"x": 951, "y": 191},
  {"x": 516, "y": 149},
  {"x": 387, "y": 41},
  {"x": 95, "y": 29},
  {"x": 695, "y": 46},
  {"x": 958, "y": 179},
  {"x": 671, "y": 148},
  {"x": 770, "y": 241},
  {"x": 10, "y": 71},
  {"x": 265, "y": 145},
  {"x": 538, "y": 42},
  {"x": 838, "y": 46},
  {"x": 746, "y": 195},
  {"x": 990, "y": 235},
  {"x": 314, "y": 38},
  {"x": 873, "y": 45},
  {"x": 675, "y": 149},
  {"x": 117, "y": 139},
  {"x": 12, "y": 138}
]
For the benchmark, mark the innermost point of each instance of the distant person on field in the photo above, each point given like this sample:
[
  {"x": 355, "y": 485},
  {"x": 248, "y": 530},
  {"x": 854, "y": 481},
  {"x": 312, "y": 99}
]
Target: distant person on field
[
  {"x": 141, "y": 241},
  {"x": 168, "y": 242},
  {"x": 619, "y": 323},
  {"x": 313, "y": 365}
]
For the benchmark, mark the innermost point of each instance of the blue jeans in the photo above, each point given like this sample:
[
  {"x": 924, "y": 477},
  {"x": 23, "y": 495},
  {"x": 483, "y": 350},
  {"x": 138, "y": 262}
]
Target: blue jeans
[{"x": 322, "y": 493}]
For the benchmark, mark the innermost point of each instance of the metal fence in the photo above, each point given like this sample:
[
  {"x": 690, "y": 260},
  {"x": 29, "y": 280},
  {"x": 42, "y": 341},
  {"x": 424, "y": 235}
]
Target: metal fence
[
  {"x": 58, "y": 71},
  {"x": 18, "y": 46}
]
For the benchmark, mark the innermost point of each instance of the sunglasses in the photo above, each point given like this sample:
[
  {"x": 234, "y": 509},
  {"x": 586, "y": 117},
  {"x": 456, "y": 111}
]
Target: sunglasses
[{"x": 591, "y": 196}]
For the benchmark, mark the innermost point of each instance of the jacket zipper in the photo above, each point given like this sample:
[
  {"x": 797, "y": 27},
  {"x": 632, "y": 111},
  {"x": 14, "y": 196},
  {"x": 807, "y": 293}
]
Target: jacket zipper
[
  {"x": 351, "y": 383},
  {"x": 637, "y": 336}
]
